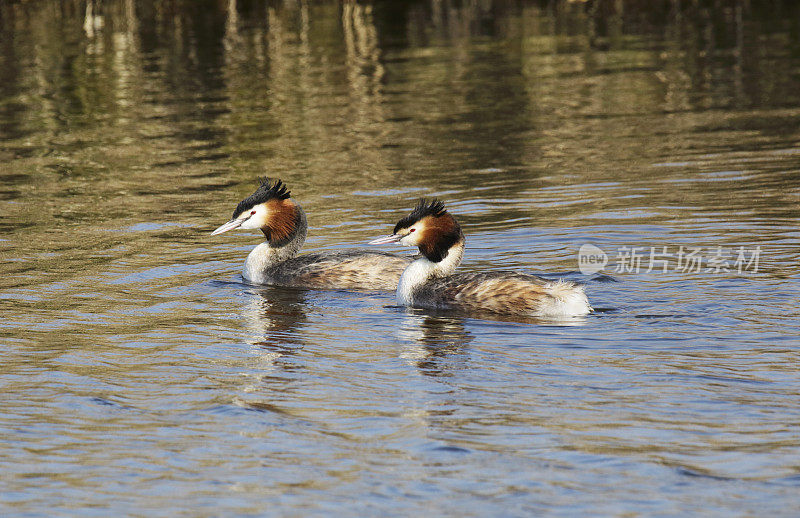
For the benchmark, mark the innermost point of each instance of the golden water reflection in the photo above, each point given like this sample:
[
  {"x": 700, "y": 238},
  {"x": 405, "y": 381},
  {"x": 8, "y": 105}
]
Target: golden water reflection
[{"x": 129, "y": 129}]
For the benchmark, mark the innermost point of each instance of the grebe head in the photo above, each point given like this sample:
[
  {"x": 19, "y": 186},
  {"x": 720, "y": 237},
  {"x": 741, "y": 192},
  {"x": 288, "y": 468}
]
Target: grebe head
[
  {"x": 270, "y": 209},
  {"x": 429, "y": 227}
]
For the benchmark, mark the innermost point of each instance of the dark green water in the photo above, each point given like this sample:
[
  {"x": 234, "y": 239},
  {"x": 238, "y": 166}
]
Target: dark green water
[{"x": 140, "y": 375}]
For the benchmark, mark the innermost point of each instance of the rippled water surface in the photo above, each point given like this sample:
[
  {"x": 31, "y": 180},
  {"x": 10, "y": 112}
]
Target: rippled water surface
[{"x": 142, "y": 376}]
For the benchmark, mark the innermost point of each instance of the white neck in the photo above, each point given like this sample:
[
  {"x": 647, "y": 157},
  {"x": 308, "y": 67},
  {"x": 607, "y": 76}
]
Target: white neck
[
  {"x": 423, "y": 269},
  {"x": 265, "y": 255}
]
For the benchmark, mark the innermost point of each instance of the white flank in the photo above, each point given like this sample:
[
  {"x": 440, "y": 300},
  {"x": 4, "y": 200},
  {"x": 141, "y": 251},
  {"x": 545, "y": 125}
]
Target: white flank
[
  {"x": 413, "y": 277},
  {"x": 418, "y": 273},
  {"x": 569, "y": 300}
]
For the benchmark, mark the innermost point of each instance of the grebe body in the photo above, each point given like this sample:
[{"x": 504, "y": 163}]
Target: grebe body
[
  {"x": 341, "y": 269},
  {"x": 431, "y": 281},
  {"x": 275, "y": 261}
]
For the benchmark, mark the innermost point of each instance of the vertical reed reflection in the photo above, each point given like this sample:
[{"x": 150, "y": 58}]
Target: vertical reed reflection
[
  {"x": 354, "y": 92},
  {"x": 717, "y": 48},
  {"x": 365, "y": 72}
]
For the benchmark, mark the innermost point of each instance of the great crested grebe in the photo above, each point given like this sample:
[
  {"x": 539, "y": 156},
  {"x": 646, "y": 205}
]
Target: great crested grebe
[
  {"x": 284, "y": 225},
  {"x": 429, "y": 282}
]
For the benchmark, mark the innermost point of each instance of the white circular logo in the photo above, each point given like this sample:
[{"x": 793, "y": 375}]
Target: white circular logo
[{"x": 591, "y": 259}]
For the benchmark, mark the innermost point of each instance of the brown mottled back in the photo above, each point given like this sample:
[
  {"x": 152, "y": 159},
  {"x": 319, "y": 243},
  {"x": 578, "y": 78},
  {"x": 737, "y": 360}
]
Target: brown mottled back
[
  {"x": 499, "y": 292},
  {"x": 348, "y": 269}
]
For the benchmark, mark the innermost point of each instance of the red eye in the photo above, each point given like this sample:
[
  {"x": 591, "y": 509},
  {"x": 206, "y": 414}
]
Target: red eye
[
  {"x": 411, "y": 230},
  {"x": 252, "y": 213}
]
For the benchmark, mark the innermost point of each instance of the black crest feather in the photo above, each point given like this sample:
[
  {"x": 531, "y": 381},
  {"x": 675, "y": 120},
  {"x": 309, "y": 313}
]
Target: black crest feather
[
  {"x": 424, "y": 208},
  {"x": 268, "y": 190}
]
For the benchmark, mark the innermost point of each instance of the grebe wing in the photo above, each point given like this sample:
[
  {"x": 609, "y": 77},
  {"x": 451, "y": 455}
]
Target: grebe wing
[
  {"x": 500, "y": 292},
  {"x": 342, "y": 269},
  {"x": 344, "y": 256}
]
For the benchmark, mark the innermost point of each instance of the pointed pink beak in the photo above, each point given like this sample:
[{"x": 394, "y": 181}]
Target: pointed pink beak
[
  {"x": 385, "y": 240},
  {"x": 232, "y": 224}
]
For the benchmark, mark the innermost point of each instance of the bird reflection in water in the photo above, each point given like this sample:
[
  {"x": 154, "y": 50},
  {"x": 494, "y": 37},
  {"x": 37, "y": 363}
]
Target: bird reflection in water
[
  {"x": 273, "y": 316},
  {"x": 439, "y": 339},
  {"x": 437, "y": 343}
]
